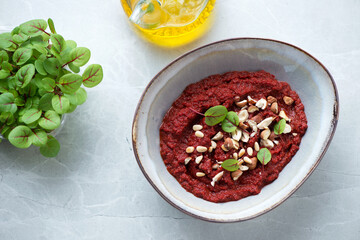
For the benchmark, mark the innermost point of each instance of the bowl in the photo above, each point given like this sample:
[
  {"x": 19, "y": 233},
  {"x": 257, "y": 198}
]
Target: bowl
[{"x": 305, "y": 74}]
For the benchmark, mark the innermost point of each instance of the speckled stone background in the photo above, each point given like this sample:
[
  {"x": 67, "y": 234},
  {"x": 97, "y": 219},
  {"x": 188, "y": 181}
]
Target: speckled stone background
[{"x": 94, "y": 188}]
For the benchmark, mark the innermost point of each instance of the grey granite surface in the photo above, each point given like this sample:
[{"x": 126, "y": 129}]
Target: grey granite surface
[{"x": 94, "y": 189}]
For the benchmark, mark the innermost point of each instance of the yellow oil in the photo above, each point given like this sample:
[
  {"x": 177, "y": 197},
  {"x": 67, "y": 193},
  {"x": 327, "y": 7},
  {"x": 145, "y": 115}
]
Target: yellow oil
[{"x": 177, "y": 25}]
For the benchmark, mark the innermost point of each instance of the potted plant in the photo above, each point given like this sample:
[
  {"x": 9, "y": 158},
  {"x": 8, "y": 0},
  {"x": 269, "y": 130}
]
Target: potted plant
[{"x": 40, "y": 82}]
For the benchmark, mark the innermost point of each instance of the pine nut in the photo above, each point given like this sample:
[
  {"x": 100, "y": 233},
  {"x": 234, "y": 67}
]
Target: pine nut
[
  {"x": 250, "y": 151},
  {"x": 243, "y": 168},
  {"x": 241, "y": 152},
  {"x": 190, "y": 149},
  {"x": 256, "y": 146},
  {"x": 197, "y": 127},
  {"x": 213, "y": 144},
  {"x": 187, "y": 160},
  {"x": 201, "y": 149},
  {"x": 199, "y": 134},
  {"x": 200, "y": 174},
  {"x": 247, "y": 160}
]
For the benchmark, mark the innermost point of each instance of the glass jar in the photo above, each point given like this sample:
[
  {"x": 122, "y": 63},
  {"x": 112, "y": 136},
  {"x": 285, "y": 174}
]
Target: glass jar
[{"x": 173, "y": 35}]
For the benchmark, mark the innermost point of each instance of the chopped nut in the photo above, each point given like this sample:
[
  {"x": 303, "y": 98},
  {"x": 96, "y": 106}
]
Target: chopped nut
[
  {"x": 245, "y": 137},
  {"x": 265, "y": 134},
  {"x": 198, "y": 159},
  {"x": 241, "y": 153},
  {"x": 200, "y": 174},
  {"x": 240, "y": 161},
  {"x": 253, "y": 163},
  {"x": 276, "y": 142},
  {"x": 288, "y": 100},
  {"x": 256, "y": 118},
  {"x": 210, "y": 149},
  {"x": 213, "y": 144},
  {"x": 224, "y": 148},
  {"x": 187, "y": 160},
  {"x": 197, "y": 127},
  {"x": 287, "y": 129},
  {"x": 199, "y": 134},
  {"x": 236, "y": 174},
  {"x": 265, "y": 123},
  {"x": 253, "y": 109},
  {"x": 241, "y": 103},
  {"x": 236, "y": 144},
  {"x": 266, "y": 143},
  {"x": 216, "y": 178},
  {"x": 228, "y": 144},
  {"x": 218, "y": 136},
  {"x": 273, "y": 136},
  {"x": 294, "y": 134},
  {"x": 190, "y": 149},
  {"x": 250, "y": 151},
  {"x": 256, "y": 146},
  {"x": 237, "y": 98},
  {"x": 243, "y": 115},
  {"x": 243, "y": 168},
  {"x": 262, "y": 104},
  {"x": 283, "y": 115},
  {"x": 236, "y": 135},
  {"x": 215, "y": 166},
  {"x": 253, "y": 125},
  {"x": 252, "y": 134},
  {"x": 243, "y": 126},
  {"x": 201, "y": 149},
  {"x": 251, "y": 100},
  {"x": 274, "y": 108},
  {"x": 271, "y": 99},
  {"x": 235, "y": 155}
]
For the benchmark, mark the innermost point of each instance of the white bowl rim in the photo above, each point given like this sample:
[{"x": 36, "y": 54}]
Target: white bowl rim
[{"x": 334, "y": 122}]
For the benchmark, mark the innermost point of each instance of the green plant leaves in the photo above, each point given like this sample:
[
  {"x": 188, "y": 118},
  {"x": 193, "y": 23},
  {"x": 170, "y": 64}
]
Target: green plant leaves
[
  {"x": 230, "y": 165},
  {"x": 33, "y": 27},
  {"x": 31, "y": 115},
  {"x": 58, "y": 42},
  {"x": 61, "y": 104},
  {"x": 77, "y": 98},
  {"x": 21, "y": 136},
  {"x": 70, "y": 83},
  {"x": 21, "y": 55},
  {"x": 264, "y": 156},
  {"x": 51, "y": 148},
  {"x": 279, "y": 127},
  {"x": 25, "y": 74},
  {"x": 52, "y": 66},
  {"x": 45, "y": 102},
  {"x": 51, "y": 25},
  {"x": 92, "y": 75},
  {"x": 50, "y": 120},
  {"x": 215, "y": 115},
  {"x": 36, "y": 87},
  {"x": 40, "y": 137},
  {"x": 79, "y": 56},
  {"x": 7, "y": 103},
  {"x": 230, "y": 122}
]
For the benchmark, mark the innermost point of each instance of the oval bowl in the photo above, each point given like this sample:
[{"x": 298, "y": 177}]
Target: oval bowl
[{"x": 306, "y": 75}]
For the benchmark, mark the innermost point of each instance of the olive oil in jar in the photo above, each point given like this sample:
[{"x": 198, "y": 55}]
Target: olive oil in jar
[{"x": 170, "y": 23}]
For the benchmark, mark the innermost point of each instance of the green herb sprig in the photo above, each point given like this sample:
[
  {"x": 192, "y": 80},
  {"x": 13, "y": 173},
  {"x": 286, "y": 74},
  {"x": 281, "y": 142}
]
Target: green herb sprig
[
  {"x": 39, "y": 82},
  {"x": 219, "y": 114}
]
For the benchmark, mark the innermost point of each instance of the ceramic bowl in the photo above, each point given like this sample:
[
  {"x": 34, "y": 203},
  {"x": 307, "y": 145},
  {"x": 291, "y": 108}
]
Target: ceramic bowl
[{"x": 306, "y": 75}]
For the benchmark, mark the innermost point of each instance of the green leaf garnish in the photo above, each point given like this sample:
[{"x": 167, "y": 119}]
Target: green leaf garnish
[
  {"x": 51, "y": 25},
  {"x": 70, "y": 83},
  {"x": 21, "y": 137},
  {"x": 34, "y": 27},
  {"x": 230, "y": 165},
  {"x": 61, "y": 104},
  {"x": 40, "y": 137},
  {"x": 50, "y": 120},
  {"x": 7, "y": 103},
  {"x": 58, "y": 42},
  {"x": 230, "y": 123},
  {"x": 215, "y": 115},
  {"x": 264, "y": 156},
  {"x": 92, "y": 75},
  {"x": 51, "y": 148},
  {"x": 31, "y": 115},
  {"x": 280, "y": 127},
  {"x": 21, "y": 55}
]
